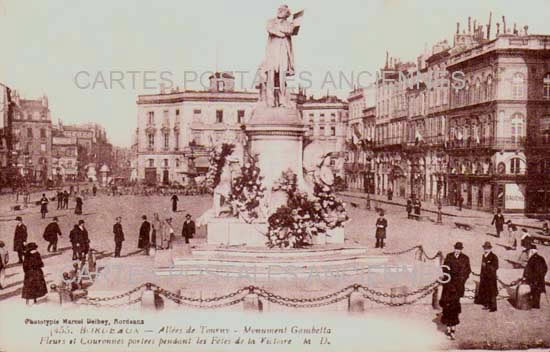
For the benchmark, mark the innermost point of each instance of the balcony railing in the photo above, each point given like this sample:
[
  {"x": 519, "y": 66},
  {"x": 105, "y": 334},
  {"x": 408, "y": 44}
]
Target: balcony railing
[
  {"x": 538, "y": 142},
  {"x": 490, "y": 142}
]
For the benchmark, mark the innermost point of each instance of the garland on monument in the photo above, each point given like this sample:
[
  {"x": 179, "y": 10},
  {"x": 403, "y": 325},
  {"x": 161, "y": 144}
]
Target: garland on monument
[
  {"x": 295, "y": 224},
  {"x": 216, "y": 161},
  {"x": 247, "y": 191}
]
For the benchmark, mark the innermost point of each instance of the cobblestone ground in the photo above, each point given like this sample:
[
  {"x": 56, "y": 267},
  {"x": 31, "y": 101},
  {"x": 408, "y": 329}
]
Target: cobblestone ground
[{"x": 507, "y": 328}]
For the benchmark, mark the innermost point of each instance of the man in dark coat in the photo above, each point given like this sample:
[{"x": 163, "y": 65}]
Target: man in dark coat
[
  {"x": 78, "y": 207},
  {"x": 188, "y": 230},
  {"x": 83, "y": 241},
  {"x": 488, "y": 291},
  {"x": 144, "y": 231},
  {"x": 534, "y": 274},
  {"x": 119, "y": 236},
  {"x": 409, "y": 207},
  {"x": 74, "y": 237},
  {"x": 457, "y": 269},
  {"x": 65, "y": 199},
  {"x": 59, "y": 197},
  {"x": 50, "y": 234},
  {"x": 43, "y": 205},
  {"x": 20, "y": 239},
  {"x": 498, "y": 221},
  {"x": 381, "y": 224},
  {"x": 417, "y": 206},
  {"x": 94, "y": 190},
  {"x": 175, "y": 200}
]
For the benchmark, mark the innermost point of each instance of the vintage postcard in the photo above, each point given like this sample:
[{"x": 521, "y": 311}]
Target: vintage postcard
[{"x": 181, "y": 175}]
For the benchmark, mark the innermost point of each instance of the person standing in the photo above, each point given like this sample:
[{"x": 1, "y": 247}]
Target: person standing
[
  {"x": 488, "y": 291},
  {"x": 65, "y": 199},
  {"x": 119, "y": 236},
  {"x": 525, "y": 242},
  {"x": 381, "y": 225},
  {"x": 409, "y": 207},
  {"x": 166, "y": 234},
  {"x": 59, "y": 197},
  {"x": 460, "y": 202},
  {"x": 78, "y": 207},
  {"x": 417, "y": 206},
  {"x": 4, "y": 259},
  {"x": 43, "y": 205},
  {"x": 188, "y": 230},
  {"x": 144, "y": 230},
  {"x": 457, "y": 267},
  {"x": 157, "y": 230},
  {"x": 34, "y": 284},
  {"x": 175, "y": 200},
  {"x": 50, "y": 234},
  {"x": 498, "y": 221},
  {"x": 74, "y": 237},
  {"x": 20, "y": 239},
  {"x": 534, "y": 275},
  {"x": 83, "y": 241},
  {"x": 390, "y": 193},
  {"x": 94, "y": 189}
]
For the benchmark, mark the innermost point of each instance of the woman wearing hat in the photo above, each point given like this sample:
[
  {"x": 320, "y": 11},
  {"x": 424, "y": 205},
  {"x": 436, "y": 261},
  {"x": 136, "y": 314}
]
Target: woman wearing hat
[
  {"x": 488, "y": 291},
  {"x": 457, "y": 269},
  {"x": 34, "y": 285}
]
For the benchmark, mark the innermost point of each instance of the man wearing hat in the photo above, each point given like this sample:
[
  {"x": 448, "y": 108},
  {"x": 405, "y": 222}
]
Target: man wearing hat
[
  {"x": 20, "y": 239},
  {"x": 488, "y": 291},
  {"x": 50, "y": 234},
  {"x": 119, "y": 236},
  {"x": 534, "y": 275},
  {"x": 381, "y": 225},
  {"x": 83, "y": 240},
  {"x": 144, "y": 230},
  {"x": 74, "y": 237},
  {"x": 457, "y": 267},
  {"x": 498, "y": 221},
  {"x": 188, "y": 230}
]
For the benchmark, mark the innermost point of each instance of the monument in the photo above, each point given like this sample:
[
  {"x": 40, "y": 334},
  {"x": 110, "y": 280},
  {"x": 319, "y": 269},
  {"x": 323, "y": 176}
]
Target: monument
[{"x": 269, "y": 202}]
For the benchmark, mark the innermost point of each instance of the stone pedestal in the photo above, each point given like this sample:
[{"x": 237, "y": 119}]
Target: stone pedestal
[{"x": 231, "y": 231}]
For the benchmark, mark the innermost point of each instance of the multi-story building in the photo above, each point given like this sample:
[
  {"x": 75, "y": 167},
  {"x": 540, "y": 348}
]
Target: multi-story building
[
  {"x": 64, "y": 158},
  {"x": 5, "y": 134},
  {"x": 359, "y": 139},
  {"x": 326, "y": 119},
  {"x": 474, "y": 123},
  {"x": 175, "y": 128},
  {"x": 32, "y": 129}
]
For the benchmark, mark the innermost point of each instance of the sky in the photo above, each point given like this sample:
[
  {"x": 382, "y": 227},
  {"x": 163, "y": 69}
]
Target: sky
[{"x": 69, "y": 49}]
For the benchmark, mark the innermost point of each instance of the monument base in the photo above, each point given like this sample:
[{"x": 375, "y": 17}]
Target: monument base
[{"x": 232, "y": 231}]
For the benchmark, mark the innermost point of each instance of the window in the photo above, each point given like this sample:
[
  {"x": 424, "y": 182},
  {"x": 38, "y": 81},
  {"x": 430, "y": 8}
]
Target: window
[
  {"x": 151, "y": 141},
  {"x": 517, "y": 86},
  {"x": 333, "y": 131},
  {"x": 515, "y": 164},
  {"x": 240, "y": 116},
  {"x": 197, "y": 111},
  {"x": 177, "y": 112},
  {"x": 166, "y": 118},
  {"x": 43, "y": 115},
  {"x": 29, "y": 132},
  {"x": 165, "y": 162},
  {"x": 546, "y": 86},
  {"x": 333, "y": 117},
  {"x": 544, "y": 129},
  {"x": 322, "y": 130},
  {"x": 42, "y": 133},
  {"x": 151, "y": 163},
  {"x": 43, "y": 147},
  {"x": 477, "y": 93},
  {"x": 517, "y": 128},
  {"x": 221, "y": 86},
  {"x": 219, "y": 116},
  {"x": 28, "y": 149},
  {"x": 177, "y": 141},
  {"x": 69, "y": 164},
  {"x": 166, "y": 140},
  {"x": 151, "y": 117},
  {"x": 489, "y": 88},
  {"x": 311, "y": 130}
]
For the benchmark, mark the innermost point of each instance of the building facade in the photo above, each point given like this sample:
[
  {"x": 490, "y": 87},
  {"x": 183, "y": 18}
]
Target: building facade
[
  {"x": 176, "y": 129},
  {"x": 6, "y": 150},
  {"x": 64, "y": 159},
  {"x": 32, "y": 130},
  {"x": 468, "y": 123}
]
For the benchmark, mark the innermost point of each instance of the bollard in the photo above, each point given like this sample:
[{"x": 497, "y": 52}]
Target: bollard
[
  {"x": 521, "y": 299},
  {"x": 435, "y": 297},
  {"x": 399, "y": 290},
  {"x": 419, "y": 254},
  {"x": 252, "y": 302},
  {"x": 356, "y": 302},
  {"x": 151, "y": 300}
]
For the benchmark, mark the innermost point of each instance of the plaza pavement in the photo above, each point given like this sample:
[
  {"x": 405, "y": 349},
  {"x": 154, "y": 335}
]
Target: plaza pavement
[{"x": 507, "y": 328}]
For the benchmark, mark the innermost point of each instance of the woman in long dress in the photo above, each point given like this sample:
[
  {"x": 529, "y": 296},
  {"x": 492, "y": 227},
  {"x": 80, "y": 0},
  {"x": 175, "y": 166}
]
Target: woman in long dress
[
  {"x": 157, "y": 230},
  {"x": 166, "y": 234},
  {"x": 34, "y": 284}
]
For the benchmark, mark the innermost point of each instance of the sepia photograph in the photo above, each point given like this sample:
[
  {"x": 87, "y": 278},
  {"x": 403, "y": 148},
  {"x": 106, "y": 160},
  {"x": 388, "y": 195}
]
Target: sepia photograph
[{"x": 181, "y": 175}]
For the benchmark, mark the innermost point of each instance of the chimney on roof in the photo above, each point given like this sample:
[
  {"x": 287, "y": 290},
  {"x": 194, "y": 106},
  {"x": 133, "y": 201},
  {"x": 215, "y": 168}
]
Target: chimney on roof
[
  {"x": 516, "y": 29},
  {"x": 498, "y": 29},
  {"x": 475, "y": 26},
  {"x": 469, "y": 25},
  {"x": 504, "y": 29},
  {"x": 525, "y": 28},
  {"x": 387, "y": 55},
  {"x": 458, "y": 28},
  {"x": 489, "y": 25}
]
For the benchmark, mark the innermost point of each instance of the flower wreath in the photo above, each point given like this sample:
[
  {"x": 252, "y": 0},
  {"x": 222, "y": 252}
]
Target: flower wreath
[
  {"x": 247, "y": 191},
  {"x": 216, "y": 161}
]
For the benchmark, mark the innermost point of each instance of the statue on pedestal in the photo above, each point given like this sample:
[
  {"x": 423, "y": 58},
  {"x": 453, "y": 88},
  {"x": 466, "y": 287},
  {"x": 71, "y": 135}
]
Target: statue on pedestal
[{"x": 279, "y": 58}]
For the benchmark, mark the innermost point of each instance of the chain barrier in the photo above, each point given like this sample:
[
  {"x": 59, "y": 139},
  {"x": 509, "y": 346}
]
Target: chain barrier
[
  {"x": 304, "y": 305},
  {"x": 403, "y": 251},
  {"x": 437, "y": 255},
  {"x": 87, "y": 301},
  {"x": 262, "y": 292},
  {"x": 392, "y": 304},
  {"x": 400, "y": 295},
  {"x": 112, "y": 298},
  {"x": 164, "y": 292}
]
